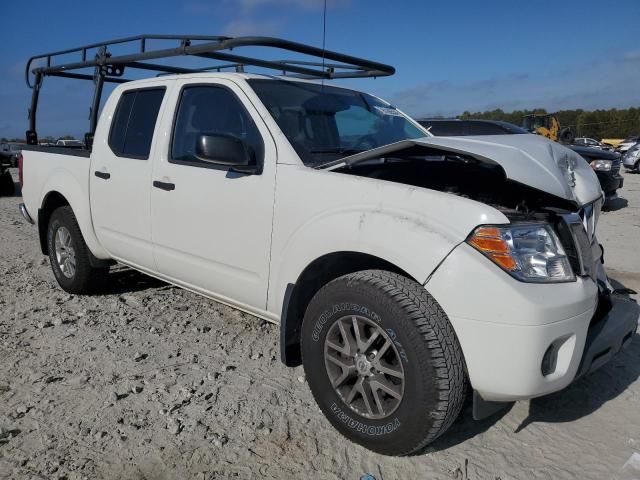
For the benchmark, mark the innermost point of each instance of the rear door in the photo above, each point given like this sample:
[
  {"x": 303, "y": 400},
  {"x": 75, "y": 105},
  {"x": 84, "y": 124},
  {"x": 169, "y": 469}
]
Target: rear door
[
  {"x": 212, "y": 226},
  {"x": 120, "y": 178}
]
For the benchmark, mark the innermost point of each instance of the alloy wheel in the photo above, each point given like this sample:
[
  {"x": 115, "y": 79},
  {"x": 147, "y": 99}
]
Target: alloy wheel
[{"x": 364, "y": 366}]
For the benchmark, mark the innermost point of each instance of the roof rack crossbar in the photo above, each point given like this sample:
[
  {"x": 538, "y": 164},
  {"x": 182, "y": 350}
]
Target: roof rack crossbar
[
  {"x": 212, "y": 44},
  {"x": 81, "y": 76},
  {"x": 238, "y": 59},
  {"x": 109, "y": 67}
]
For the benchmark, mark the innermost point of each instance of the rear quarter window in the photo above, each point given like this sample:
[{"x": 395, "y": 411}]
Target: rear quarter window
[{"x": 134, "y": 122}]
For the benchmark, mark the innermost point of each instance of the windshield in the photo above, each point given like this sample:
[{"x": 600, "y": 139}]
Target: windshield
[{"x": 325, "y": 123}]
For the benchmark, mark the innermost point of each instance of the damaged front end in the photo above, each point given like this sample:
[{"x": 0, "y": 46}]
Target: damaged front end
[
  {"x": 517, "y": 174},
  {"x": 568, "y": 324},
  {"x": 526, "y": 177}
]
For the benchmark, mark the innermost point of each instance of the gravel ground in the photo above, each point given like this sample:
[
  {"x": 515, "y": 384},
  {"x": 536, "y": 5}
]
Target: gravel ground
[{"x": 147, "y": 381}]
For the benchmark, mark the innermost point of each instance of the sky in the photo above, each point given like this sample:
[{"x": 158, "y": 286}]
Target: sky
[{"x": 450, "y": 56}]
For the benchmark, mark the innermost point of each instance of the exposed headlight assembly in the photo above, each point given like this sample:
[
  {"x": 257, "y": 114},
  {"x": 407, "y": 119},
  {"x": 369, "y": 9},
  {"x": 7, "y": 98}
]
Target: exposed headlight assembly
[
  {"x": 530, "y": 252},
  {"x": 601, "y": 165}
]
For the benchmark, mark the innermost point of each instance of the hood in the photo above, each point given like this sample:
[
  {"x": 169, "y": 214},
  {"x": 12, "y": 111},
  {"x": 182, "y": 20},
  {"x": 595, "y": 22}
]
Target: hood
[
  {"x": 528, "y": 159},
  {"x": 591, "y": 153}
]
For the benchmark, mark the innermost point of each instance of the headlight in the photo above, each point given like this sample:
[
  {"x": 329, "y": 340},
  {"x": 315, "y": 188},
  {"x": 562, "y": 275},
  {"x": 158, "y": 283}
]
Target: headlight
[
  {"x": 633, "y": 153},
  {"x": 530, "y": 252},
  {"x": 601, "y": 165}
]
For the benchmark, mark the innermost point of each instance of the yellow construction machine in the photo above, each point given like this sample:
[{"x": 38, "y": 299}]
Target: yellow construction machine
[{"x": 547, "y": 125}]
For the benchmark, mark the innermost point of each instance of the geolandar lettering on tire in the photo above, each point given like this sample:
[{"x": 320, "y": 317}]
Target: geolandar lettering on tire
[
  {"x": 373, "y": 430},
  {"x": 394, "y": 339},
  {"x": 341, "y": 307}
]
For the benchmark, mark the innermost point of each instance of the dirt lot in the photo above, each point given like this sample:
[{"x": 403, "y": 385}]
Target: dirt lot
[{"x": 150, "y": 381}]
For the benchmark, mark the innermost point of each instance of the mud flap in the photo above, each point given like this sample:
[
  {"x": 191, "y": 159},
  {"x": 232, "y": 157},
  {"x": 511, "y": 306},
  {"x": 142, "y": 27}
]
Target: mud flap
[{"x": 483, "y": 409}]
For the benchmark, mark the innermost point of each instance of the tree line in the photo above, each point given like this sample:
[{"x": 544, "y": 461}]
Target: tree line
[
  {"x": 48, "y": 138},
  {"x": 612, "y": 123}
]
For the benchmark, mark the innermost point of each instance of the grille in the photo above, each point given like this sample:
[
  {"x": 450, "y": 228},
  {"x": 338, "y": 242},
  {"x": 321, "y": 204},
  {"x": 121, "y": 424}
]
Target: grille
[{"x": 577, "y": 232}]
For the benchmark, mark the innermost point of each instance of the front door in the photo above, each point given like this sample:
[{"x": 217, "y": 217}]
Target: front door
[
  {"x": 120, "y": 176},
  {"x": 211, "y": 226}
]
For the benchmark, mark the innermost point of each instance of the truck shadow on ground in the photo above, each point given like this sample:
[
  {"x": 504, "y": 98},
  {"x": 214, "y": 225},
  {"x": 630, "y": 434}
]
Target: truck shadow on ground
[
  {"x": 615, "y": 204},
  {"x": 121, "y": 279},
  {"x": 576, "y": 401}
]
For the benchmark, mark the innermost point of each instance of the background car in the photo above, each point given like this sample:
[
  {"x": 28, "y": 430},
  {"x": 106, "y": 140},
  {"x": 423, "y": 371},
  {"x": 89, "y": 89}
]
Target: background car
[
  {"x": 631, "y": 159},
  {"x": 591, "y": 142},
  {"x": 69, "y": 143},
  {"x": 12, "y": 150},
  {"x": 627, "y": 143},
  {"x": 7, "y": 187},
  {"x": 606, "y": 164},
  {"x": 458, "y": 128}
]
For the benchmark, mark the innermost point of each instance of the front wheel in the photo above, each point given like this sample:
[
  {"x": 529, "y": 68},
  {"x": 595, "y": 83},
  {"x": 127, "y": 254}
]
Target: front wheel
[
  {"x": 69, "y": 254},
  {"x": 383, "y": 361}
]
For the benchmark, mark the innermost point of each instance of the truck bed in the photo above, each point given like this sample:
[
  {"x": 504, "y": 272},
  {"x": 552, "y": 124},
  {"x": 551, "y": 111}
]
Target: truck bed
[
  {"x": 58, "y": 171},
  {"x": 76, "y": 152}
]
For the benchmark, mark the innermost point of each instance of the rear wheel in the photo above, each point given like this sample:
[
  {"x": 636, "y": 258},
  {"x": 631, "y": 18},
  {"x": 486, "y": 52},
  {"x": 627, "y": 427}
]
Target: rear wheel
[
  {"x": 383, "y": 361},
  {"x": 69, "y": 254}
]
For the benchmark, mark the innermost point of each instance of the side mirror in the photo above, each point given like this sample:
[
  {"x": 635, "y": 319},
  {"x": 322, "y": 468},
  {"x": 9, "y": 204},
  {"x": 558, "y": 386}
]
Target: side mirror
[{"x": 226, "y": 150}]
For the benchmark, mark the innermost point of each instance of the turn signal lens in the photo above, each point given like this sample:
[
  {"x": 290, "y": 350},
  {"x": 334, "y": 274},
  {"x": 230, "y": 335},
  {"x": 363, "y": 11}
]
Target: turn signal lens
[
  {"x": 490, "y": 242},
  {"x": 505, "y": 261},
  {"x": 489, "y": 245},
  {"x": 531, "y": 252}
]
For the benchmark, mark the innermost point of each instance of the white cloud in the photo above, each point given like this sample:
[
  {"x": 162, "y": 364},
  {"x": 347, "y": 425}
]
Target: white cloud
[
  {"x": 248, "y": 26},
  {"x": 244, "y": 7},
  {"x": 605, "y": 85}
]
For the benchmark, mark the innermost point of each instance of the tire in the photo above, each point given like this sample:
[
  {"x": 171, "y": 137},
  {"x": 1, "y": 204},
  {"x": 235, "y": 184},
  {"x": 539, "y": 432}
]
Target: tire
[
  {"x": 7, "y": 187},
  {"x": 566, "y": 136},
  {"x": 423, "y": 346},
  {"x": 82, "y": 278}
]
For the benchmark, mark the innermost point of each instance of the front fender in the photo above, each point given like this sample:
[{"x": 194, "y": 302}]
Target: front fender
[
  {"x": 75, "y": 190},
  {"x": 411, "y": 228}
]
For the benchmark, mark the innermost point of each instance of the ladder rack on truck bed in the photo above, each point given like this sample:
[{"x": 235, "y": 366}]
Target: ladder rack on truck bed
[{"x": 109, "y": 67}]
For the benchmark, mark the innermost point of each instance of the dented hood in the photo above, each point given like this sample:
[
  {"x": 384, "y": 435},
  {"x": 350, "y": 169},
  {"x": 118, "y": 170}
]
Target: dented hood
[{"x": 528, "y": 159}]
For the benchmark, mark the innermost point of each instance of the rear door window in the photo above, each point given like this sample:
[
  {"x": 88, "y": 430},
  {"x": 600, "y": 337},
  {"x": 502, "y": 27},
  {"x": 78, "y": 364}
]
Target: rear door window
[{"x": 134, "y": 122}]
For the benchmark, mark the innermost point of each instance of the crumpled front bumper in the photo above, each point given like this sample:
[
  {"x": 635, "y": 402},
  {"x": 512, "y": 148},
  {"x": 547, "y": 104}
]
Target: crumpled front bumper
[
  {"x": 523, "y": 340},
  {"x": 609, "y": 334}
]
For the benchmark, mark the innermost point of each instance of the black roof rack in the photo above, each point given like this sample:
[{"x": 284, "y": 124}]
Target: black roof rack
[{"x": 110, "y": 67}]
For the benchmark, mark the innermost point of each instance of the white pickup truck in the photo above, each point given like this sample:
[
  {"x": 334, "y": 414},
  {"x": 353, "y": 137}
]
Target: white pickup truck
[{"x": 402, "y": 268}]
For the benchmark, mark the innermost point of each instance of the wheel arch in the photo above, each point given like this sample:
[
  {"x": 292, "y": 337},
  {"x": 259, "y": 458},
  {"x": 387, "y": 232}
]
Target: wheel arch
[
  {"x": 50, "y": 203},
  {"x": 53, "y": 200},
  {"x": 315, "y": 275}
]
